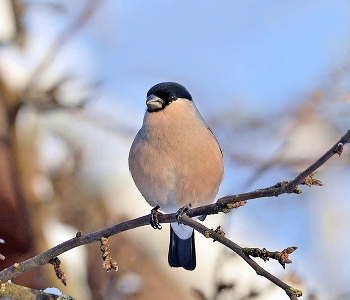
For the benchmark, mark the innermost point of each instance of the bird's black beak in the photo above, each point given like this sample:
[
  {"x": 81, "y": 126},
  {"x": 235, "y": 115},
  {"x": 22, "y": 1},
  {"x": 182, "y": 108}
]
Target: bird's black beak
[{"x": 154, "y": 103}]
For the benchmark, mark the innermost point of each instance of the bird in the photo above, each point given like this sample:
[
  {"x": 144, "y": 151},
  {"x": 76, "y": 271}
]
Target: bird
[{"x": 176, "y": 161}]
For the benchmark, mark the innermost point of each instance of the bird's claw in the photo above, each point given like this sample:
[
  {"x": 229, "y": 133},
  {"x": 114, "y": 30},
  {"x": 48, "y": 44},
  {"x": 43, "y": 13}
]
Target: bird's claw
[
  {"x": 154, "y": 218},
  {"x": 182, "y": 211}
]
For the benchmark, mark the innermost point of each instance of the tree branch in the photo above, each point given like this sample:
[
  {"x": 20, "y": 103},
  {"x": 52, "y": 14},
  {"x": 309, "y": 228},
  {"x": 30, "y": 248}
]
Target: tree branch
[
  {"x": 285, "y": 187},
  {"x": 44, "y": 258},
  {"x": 224, "y": 204},
  {"x": 208, "y": 233},
  {"x": 13, "y": 291}
]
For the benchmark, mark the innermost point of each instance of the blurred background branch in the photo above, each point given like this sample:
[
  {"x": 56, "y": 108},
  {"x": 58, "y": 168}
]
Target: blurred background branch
[{"x": 68, "y": 33}]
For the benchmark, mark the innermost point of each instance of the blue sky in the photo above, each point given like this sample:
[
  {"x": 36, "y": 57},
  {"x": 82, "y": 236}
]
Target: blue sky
[{"x": 255, "y": 51}]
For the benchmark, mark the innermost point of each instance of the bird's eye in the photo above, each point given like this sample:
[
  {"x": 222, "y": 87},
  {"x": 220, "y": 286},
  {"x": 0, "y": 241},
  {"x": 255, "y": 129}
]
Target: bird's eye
[{"x": 172, "y": 97}]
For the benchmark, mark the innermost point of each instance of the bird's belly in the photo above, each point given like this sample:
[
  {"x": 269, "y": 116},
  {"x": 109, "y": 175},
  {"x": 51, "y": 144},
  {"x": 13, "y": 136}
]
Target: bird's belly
[{"x": 179, "y": 180}]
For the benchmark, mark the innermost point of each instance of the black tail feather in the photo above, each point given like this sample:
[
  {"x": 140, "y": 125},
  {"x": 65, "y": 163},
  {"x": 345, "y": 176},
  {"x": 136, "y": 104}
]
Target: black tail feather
[{"x": 182, "y": 253}]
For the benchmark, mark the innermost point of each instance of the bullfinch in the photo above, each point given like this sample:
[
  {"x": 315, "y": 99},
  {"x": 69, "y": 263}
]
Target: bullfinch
[{"x": 176, "y": 161}]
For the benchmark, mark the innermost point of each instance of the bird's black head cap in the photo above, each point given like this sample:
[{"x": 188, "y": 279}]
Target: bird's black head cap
[{"x": 169, "y": 92}]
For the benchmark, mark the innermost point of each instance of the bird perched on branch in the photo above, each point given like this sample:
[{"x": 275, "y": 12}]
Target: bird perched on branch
[{"x": 176, "y": 161}]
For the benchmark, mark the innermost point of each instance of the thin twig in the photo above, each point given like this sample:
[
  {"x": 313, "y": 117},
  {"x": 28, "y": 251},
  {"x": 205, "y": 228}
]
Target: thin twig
[
  {"x": 281, "y": 256},
  {"x": 291, "y": 292}
]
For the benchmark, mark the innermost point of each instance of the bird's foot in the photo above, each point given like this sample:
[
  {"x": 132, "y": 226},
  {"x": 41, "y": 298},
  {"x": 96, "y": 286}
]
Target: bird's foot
[
  {"x": 182, "y": 211},
  {"x": 154, "y": 218}
]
